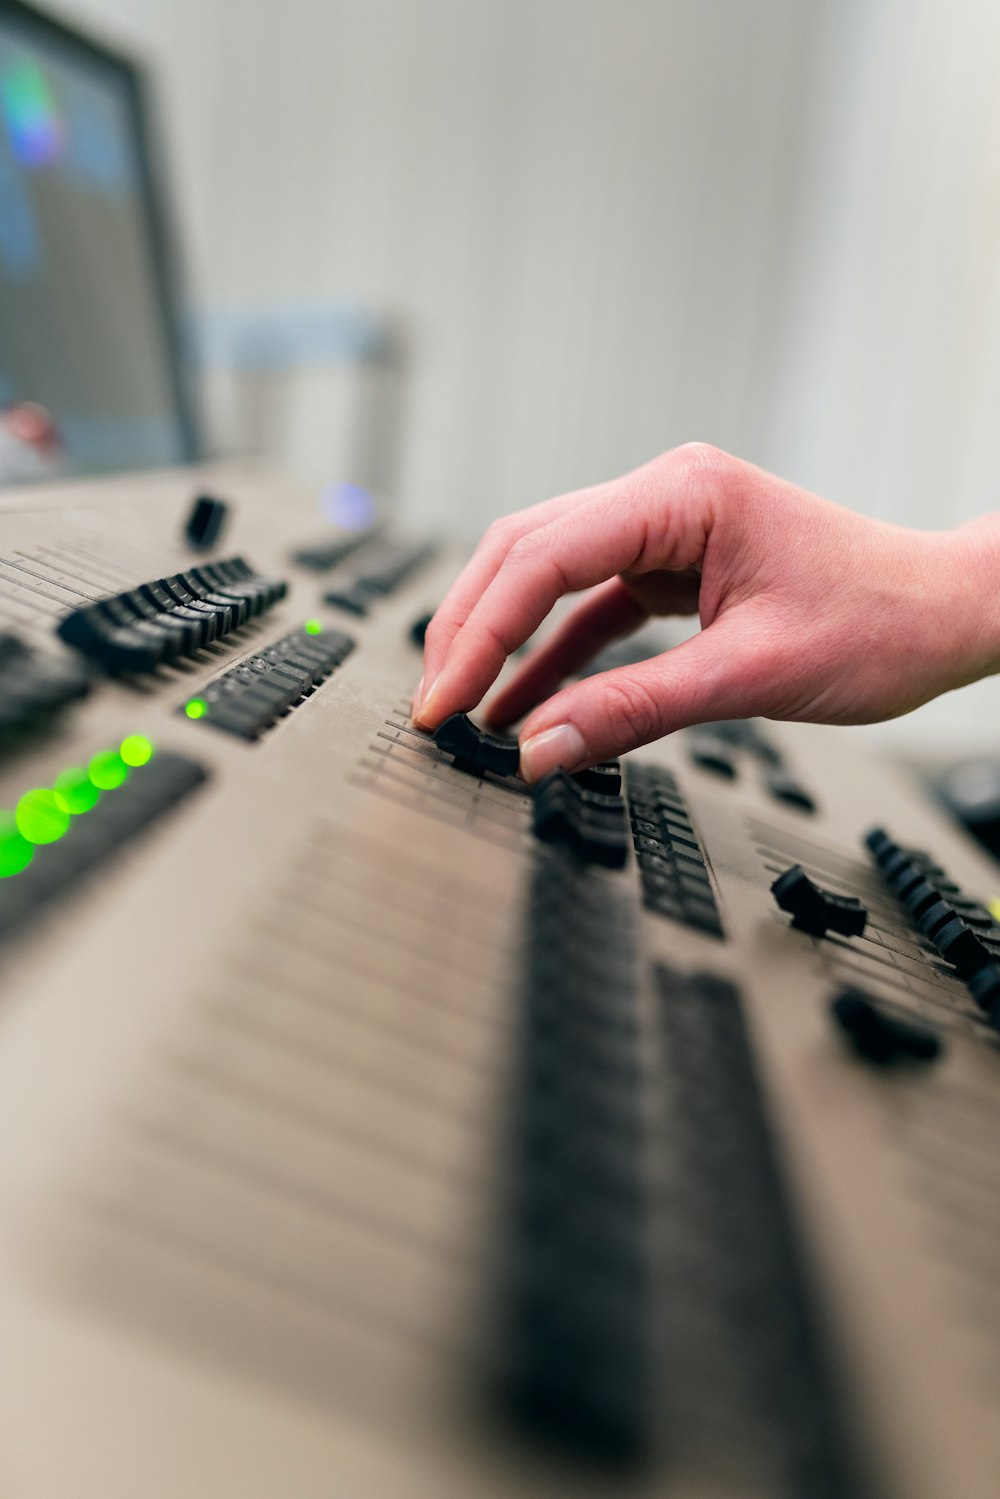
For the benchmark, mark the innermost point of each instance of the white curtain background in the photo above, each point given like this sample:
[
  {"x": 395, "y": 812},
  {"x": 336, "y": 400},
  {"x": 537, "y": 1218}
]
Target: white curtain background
[{"x": 613, "y": 225}]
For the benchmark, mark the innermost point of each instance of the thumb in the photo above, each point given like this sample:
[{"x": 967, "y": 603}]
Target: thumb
[{"x": 719, "y": 673}]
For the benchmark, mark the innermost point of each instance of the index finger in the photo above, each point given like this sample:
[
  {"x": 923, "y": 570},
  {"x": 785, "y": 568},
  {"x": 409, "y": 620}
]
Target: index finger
[
  {"x": 479, "y": 571},
  {"x": 615, "y": 533}
]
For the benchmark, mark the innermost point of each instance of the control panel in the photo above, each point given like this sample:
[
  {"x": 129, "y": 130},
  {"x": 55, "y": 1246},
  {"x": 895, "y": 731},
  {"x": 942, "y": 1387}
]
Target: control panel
[{"x": 377, "y": 1124}]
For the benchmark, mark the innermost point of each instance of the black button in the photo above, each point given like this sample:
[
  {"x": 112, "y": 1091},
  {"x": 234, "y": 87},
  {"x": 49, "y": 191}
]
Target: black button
[
  {"x": 475, "y": 750},
  {"x": 816, "y": 910},
  {"x": 205, "y": 521},
  {"x": 879, "y": 1037}
]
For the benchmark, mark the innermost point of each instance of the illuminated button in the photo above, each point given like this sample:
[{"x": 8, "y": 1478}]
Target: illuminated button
[
  {"x": 75, "y": 792},
  {"x": 313, "y": 627},
  {"x": 136, "y": 750},
  {"x": 196, "y": 708},
  {"x": 16, "y": 853},
  {"x": 40, "y": 818},
  {"x": 107, "y": 770}
]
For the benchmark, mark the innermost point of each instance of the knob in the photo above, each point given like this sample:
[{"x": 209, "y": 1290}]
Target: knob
[
  {"x": 474, "y": 750},
  {"x": 816, "y": 910},
  {"x": 879, "y": 1037}
]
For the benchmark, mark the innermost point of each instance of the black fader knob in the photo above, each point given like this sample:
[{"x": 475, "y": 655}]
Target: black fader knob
[
  {"x": 880, "y": 1037},
  {"x": 816, "y": 910},
  {"x": 205, "y": 521},
  {"x": 473, "y": 749}
]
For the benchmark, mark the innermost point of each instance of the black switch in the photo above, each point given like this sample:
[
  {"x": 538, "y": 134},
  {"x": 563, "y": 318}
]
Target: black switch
[
  {"x": 206, "y": 521},
  {"x": 879, "y": 1037},
  {"x": 708, "y": 753},
  {"x": 816, "y": 910},
  {"x": 783, "y": 788},
  {"x": 959, "y": 945},
  {"x": 474, "y": 750}
]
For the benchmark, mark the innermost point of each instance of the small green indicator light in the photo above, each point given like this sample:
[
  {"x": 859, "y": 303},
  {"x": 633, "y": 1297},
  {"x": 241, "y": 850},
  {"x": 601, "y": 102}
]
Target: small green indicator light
[
  {"x": 39, "y": 817},
  {"x": 313, "y": 627},
  {"x": 16, "y": 853},
  {"x": 75, "y": 791},
  {"x": 136, "y": 750},
  {"x": 107, "y": 770},
  {"x": 196, "y": 707}
]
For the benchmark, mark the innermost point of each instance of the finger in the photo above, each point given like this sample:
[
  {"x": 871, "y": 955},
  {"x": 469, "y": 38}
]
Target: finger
[
  {"x": 480, "y": 570},
  {"x": 606, "y": 614},
  {"x": 720, "y": 673},
  {"x": 620, "y": 531}
]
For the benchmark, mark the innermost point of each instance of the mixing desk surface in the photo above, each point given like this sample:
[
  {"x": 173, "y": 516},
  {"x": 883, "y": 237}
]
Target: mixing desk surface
[{"x": 375, "y": 1127}]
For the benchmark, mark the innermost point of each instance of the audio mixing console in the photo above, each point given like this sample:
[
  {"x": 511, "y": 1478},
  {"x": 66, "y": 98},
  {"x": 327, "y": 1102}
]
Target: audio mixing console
[{"x": 373, "y": 1126}]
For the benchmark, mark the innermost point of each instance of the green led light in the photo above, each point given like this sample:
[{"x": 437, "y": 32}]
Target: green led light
[
  {"x": 313, "y": 627},
  {"x": 75, "y": 792},
  {"x": 107, "y": 770},
  {"x": 39, "y": 817},
  {"x": 196, "y": 707},
  {"x": 136, "y": 750},
  {"x": 16, "y": 853}
]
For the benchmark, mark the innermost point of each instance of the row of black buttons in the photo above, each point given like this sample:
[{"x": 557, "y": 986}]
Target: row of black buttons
[
  {"x": 675, "y": 881},
  {"x": 93, "y": 838},
  {"x": 959, "y": 927},
  {"x": 714, "y": 747},
  {"x": 394, "y": 565},
  {"x": 33, "y": 684},
  {"x": 742, "y": 1346},
  {"x": 591, "y": 823},
  {"x": 252, "y": 696},
  {"x": 161, "y": 621},
  {"x": 575, "y": 1369}
]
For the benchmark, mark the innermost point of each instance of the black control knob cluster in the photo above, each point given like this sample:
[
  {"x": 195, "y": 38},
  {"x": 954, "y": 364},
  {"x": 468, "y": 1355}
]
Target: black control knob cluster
[
  {"x": 251, "y": 697},
  {"x": 880, "y": 1037},
  {"x": 159, "y": 622},
  {"x": 33, "y": 684},
  {"x": 575, "y": 1366},
  {"x": 593, "y": 825},
  {"x": 816, "y": 910},
  {"x": 960, "y": 929},
  {"x": 475, "y": 750},
  {"x": 380, "y": 578}
]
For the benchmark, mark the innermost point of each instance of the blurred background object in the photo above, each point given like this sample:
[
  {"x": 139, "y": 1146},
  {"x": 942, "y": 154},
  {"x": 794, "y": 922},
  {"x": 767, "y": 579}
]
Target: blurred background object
[{"x": 596, "y": 229}]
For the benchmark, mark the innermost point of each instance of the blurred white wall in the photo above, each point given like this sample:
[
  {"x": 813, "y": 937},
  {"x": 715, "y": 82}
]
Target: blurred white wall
[{"x": 613, "y": 225}]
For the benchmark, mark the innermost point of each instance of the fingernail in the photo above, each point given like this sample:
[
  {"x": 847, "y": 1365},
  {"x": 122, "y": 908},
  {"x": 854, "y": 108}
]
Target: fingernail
[
  {"x": 541, "y": 753},
  {"x": 415, "y": 699},
  {"x": 424, "y": 701}
]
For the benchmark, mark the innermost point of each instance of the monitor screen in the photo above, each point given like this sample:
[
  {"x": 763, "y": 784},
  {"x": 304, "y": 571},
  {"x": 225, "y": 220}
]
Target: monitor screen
[{"x": 87, "y": 326}]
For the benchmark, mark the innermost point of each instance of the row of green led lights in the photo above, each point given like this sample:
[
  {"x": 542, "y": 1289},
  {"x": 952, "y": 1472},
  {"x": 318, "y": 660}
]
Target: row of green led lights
[
  {"x": 45, "y": 814},
  {"x": 196, "y": 707}
]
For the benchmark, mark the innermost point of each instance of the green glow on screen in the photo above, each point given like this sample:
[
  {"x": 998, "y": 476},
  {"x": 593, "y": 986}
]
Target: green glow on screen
[
  {"x": 196, "y": 708},
  {"x": 107, "y": 770},
  {"x": 136, "y": 750},
  {"x": 16, "y": 853},
  {"x": 313, "y": 627},
  {"x": 40, "y": 818},
  {"x": 75, "y": 791}
]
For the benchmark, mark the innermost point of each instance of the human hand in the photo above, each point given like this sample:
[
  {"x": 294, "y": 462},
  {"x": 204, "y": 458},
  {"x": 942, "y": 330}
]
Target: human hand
[{"x": 808, "y": 611}]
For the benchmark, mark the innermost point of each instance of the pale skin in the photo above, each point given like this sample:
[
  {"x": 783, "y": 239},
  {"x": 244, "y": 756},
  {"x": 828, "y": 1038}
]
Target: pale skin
[{"x": 808, "y": 611}]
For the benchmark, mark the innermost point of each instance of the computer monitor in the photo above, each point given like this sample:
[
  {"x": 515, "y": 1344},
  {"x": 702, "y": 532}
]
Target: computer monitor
[{"x": 88, "y": 318}]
